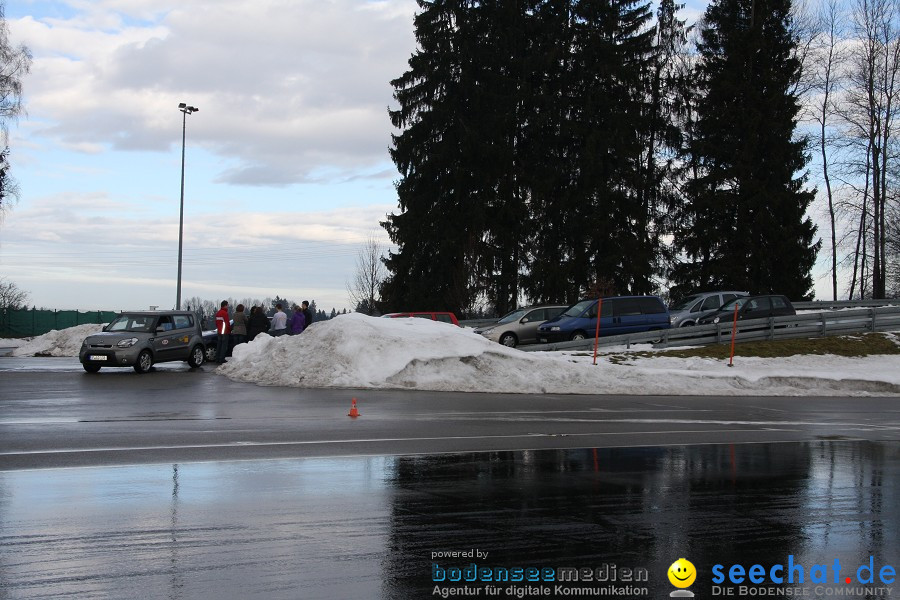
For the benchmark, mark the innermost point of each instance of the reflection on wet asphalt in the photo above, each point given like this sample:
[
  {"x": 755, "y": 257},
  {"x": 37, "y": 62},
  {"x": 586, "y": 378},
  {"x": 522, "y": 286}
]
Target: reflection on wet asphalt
[{"x": 367, "y": 527}]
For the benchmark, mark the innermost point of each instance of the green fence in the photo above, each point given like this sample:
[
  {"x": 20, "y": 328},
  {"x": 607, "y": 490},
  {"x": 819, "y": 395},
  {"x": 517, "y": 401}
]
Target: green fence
[{"x": 29, "y": 323}]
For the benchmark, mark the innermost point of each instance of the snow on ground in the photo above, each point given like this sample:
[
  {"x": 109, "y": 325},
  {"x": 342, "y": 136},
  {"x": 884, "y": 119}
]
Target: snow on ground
[
  {"x": 355, "y": 351},
  {"x": 12, "y": 342},
  {"x": 63, "y": 342}
]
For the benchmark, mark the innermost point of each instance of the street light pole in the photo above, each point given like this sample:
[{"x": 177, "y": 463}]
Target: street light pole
[{"x": 186, "y": 110}]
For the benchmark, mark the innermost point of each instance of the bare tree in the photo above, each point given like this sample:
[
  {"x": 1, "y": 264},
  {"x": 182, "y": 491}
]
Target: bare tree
[
  {"x": 869, "y": 110},
  {"x": 11, "y": 296},
  {"x": 15, "y": 63},
  {"x": 362, "y": 290},
  {"x": 824, "y": 63}
]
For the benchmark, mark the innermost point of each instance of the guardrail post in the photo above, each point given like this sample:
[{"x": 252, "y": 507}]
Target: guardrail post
[
  {"x": 718, "y": 333},
  {"x": 771, "y": 329},
  {"x": 872, "y": 310},
  {"x": 824, "y": 324}
]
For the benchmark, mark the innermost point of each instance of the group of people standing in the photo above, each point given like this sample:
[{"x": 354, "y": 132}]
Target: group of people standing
[{"x": 239, "y": 328}]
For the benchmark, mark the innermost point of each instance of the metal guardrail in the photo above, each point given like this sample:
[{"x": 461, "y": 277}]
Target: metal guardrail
[
  {"x": 833, "y": 305},
  {"x": 808, "y": 325}
]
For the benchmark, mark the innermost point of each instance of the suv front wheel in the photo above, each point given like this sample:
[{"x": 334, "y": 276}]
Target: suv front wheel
[{"x": 144, "y": 362}]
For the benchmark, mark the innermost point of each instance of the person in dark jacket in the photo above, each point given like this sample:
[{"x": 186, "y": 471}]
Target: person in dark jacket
[
  {"x": 307, "y": 315},
  {"x": 257, "y": 323},
  {"x": 298, "y": 322}
]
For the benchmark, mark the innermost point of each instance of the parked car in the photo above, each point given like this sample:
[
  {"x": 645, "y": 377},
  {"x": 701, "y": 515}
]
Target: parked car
[
  {"x": 686, "y": 312},
  {"x": 521, "y": 325},
  {"x": 443, "y": 316},
  {"x": 620, "y": 314},
  {"x": 750, "y": 307},
  {"x": 142, "y": 339}
]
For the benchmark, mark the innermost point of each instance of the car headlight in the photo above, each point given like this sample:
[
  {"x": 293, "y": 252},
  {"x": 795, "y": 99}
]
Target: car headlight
[
  {"x": 554, "y": 328},
  {"x": 716, "y": 320},
  {"x": 127, "y": 343},
  {"x": 672, "y": 320}
]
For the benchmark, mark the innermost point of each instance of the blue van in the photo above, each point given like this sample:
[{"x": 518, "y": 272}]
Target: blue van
[{"x": 621, "y": 314}]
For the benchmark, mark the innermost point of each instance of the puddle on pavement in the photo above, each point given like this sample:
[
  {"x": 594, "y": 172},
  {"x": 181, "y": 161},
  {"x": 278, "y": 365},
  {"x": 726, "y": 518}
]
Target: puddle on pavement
[{"x": 374, "y": 527}]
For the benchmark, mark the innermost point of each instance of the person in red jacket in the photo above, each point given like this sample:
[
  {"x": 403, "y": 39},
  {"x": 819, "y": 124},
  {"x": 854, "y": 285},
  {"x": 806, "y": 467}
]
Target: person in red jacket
[{"x": 223, "y": 328}]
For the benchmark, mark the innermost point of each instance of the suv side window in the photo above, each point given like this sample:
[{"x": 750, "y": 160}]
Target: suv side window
[
  {"x": 443, "y": 318},
  {"x": 183, "y": 321},
  {"x": 165, "y": 323},
  {"x": 728, "y": 298},
  {"x": 423, "y": 316},
  {"x": 711, "y": 303}
]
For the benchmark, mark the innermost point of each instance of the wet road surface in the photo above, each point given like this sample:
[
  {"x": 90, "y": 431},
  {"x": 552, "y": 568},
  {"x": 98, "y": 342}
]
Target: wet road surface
[
  {"x": 368, "y": 527},
  {"x": 54, "y": 415},
  {"x": 184, "y": 485}
]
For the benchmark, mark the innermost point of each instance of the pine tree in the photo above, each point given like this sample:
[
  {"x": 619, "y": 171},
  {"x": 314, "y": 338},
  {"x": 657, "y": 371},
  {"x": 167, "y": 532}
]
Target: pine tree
[
  {"x": 589, "y": 221},
  {"x": 438, "y": 154},
  {"x": 743, "y": 225}
]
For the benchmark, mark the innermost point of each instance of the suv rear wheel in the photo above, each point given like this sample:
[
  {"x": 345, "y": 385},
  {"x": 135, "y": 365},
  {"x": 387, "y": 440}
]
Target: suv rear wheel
[
  {"x": 91, "y": 368},
  {"x": 196, "y": 357}
]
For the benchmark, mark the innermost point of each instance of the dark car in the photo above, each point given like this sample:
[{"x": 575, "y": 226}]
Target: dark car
[
  {"x": 620, "y": 314},
  {"x": 141, "y": 339},
  {"x": 750, "y": 307}
]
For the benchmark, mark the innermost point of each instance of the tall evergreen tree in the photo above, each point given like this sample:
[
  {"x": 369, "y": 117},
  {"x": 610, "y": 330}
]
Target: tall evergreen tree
[
  {"x": 596, "y": 222},
  {"x": 743, "y": 225},
  {"x": 439, "y": 228}
]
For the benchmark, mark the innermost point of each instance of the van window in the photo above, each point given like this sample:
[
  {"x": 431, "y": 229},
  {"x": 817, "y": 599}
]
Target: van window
[
  {"x": 626, "y": 307},
  {"x": 422, "y": 315},
  {"x": 650, "y": 305},
  {"x": 758, "y": 304},
  {"x": 443, "y": 318},
  {"x": 778, "y": 302}
]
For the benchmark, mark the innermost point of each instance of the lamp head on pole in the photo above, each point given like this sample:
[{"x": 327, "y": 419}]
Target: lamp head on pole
[{"x": 187, "y": 109}]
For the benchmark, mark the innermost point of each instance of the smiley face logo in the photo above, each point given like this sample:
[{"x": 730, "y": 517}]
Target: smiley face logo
[{"x": 682, "y": 573}]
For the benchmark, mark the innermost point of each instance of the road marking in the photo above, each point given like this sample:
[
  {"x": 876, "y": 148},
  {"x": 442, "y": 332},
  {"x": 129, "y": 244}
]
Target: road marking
[{"x": 245, "y": 444}]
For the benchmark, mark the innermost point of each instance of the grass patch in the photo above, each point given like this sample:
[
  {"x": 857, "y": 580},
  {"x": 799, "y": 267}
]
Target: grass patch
[{"x": 854, "y": 346}]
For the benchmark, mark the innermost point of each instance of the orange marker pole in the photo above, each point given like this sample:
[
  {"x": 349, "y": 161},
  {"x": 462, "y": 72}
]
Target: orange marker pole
[
  {"x": 597, "y": 333},
  {"x": 733, "y": 333}
]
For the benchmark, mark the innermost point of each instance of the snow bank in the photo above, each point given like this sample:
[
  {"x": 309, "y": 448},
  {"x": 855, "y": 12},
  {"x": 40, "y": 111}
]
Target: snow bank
[
  {"x": 356, "y": 351},
  {"x": 63, "y": 342},
  {"x": 12, "y": 342}
]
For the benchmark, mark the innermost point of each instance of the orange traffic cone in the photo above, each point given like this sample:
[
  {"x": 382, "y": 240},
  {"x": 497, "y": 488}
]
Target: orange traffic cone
[{"x": 353, "y": 411}]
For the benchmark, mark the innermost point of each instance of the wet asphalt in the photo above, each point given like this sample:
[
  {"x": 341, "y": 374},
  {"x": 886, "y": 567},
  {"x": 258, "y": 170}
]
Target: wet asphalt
[{"x": 183, "y": 485}]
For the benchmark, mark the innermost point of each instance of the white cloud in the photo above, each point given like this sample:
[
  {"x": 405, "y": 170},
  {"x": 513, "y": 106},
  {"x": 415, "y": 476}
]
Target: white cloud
[{"x": 286, "y": 88}]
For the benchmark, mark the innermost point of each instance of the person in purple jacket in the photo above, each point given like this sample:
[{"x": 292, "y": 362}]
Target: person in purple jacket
[{"x": 298, "y": 322}]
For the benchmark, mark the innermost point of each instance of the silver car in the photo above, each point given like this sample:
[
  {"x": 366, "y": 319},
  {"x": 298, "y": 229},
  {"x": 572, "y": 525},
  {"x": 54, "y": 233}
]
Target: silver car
[
  {"x": 520, "y": 326},
  {"x": 141, "y": 339},
  {"x": 690, "y": 309}
]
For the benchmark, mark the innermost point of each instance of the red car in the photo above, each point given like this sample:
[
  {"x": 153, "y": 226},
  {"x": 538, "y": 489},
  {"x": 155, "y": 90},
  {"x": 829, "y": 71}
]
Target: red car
[{"x": 444, "y": 317}]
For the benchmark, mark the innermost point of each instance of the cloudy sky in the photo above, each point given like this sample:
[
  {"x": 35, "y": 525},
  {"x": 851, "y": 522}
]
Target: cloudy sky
[{"x": 287, "y": 165}]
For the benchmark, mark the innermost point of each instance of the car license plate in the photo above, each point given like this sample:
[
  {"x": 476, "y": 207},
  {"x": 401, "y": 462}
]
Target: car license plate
[
  {"x": 96, "y": 357},
  {"x": 542, "y": 340}
]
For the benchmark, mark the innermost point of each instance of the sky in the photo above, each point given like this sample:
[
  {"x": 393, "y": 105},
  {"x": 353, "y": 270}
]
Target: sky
[
  {"x": 360, "y": 352},
  {"x": 287, "y": 171}
]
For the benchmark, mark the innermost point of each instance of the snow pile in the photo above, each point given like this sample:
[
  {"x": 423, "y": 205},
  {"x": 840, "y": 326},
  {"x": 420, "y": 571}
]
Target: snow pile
[
  {"x": 355, "y": 351},
  {"x": 65, "y": 342},
  {"x": 12, "y": 342}
]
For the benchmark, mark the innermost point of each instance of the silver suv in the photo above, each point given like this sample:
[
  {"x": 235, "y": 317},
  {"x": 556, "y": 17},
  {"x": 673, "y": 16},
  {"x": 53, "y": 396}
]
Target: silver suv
[
  {"x": 141, "y": 339},
  {"x": 520, "y": 326},
  {"x": 690, "y": 309}
]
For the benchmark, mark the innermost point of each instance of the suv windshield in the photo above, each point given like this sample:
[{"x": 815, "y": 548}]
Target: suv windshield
[
  {"x": 513, "y": 316},
  {"x": 575, "y": 311},
  {"x": 133, "y": 323},
  {"x": 686, "y": 303}
]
